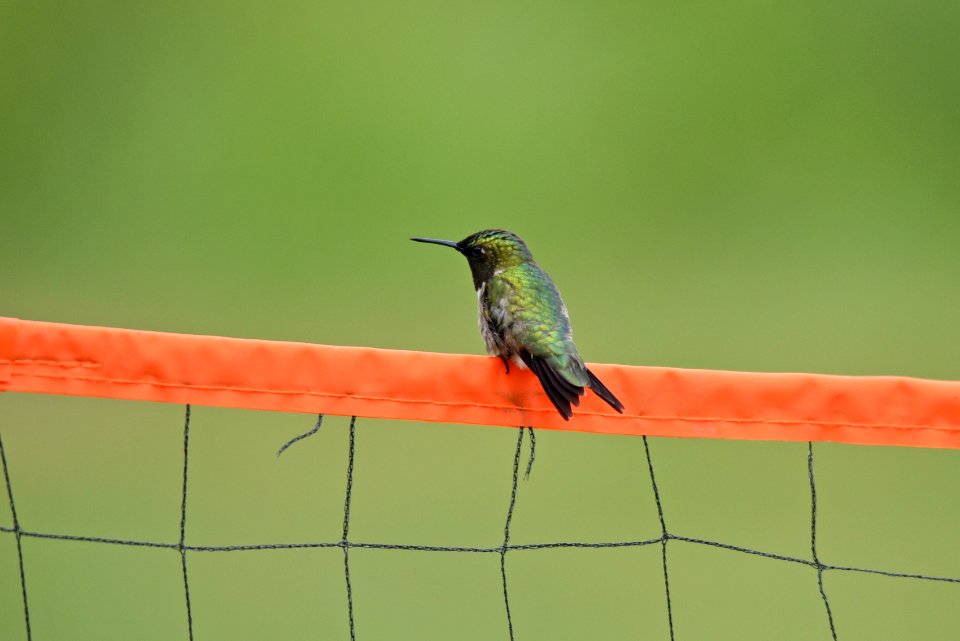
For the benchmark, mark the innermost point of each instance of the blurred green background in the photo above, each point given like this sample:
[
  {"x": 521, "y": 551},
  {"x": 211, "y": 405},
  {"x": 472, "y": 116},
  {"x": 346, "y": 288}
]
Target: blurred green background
[{"x": 739, "y": 185}]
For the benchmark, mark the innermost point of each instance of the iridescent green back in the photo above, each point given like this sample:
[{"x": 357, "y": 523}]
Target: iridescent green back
[{"x": 540, "y": 319}]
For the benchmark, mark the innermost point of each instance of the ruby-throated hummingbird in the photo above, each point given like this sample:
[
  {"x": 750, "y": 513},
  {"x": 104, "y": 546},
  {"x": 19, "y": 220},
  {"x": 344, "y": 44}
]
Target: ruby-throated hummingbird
[{"x": 523, "y": 317}]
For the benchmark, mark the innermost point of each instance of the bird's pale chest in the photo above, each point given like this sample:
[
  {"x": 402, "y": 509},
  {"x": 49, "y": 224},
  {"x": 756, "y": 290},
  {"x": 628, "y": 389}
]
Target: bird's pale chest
[{"x": 495, "y": 322}]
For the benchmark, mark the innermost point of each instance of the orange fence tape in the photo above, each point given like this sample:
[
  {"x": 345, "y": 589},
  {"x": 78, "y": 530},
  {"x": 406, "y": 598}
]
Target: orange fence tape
[{"x": 54, "y": 358}]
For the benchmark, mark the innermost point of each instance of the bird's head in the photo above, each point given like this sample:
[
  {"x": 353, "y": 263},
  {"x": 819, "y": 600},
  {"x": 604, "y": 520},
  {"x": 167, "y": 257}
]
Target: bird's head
[{"x": 488, "y": 251}]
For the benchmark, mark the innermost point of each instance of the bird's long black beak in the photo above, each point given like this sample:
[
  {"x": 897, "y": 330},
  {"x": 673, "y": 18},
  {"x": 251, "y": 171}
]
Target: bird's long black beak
[{"x": 434, "y": 241}]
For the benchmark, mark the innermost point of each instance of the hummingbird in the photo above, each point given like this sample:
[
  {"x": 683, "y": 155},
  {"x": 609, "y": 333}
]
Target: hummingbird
[{"x": 523, "y": 319}]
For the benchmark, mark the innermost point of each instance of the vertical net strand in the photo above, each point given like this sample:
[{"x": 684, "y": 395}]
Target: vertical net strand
[
  {"x": 664, "y": 536},
  {"x": 506, "y": 531},
  {"x": 18, "y": 533},
  {"x": 183, "y": 524},
  {"x": 345, "y": 543},
  {"x": 813, "y": 540},
  {"x": 533, "y": 453}
]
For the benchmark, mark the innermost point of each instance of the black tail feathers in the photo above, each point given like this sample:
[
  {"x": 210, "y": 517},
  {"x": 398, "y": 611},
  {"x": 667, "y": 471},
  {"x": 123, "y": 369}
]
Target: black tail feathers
[
  {"x": 604, "y": 393},
  {"x": 561, "y": 392}
]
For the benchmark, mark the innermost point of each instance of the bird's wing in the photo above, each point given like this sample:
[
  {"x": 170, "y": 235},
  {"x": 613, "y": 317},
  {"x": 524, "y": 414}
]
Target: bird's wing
[
  {"x": 542, "y": 326},
  {"x": 541, "y": 330}
]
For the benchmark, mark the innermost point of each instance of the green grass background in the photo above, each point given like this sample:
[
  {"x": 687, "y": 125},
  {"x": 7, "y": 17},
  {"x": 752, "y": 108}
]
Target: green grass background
[{"x": 739, "y": 185}]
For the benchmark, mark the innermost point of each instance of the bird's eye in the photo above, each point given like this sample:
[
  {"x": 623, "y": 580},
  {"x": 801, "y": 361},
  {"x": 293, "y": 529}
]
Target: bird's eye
[{"x": 479, "y": 251}]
